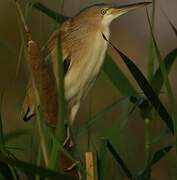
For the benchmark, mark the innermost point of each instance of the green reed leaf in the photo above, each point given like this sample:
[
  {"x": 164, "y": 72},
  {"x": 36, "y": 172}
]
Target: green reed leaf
[
  {"x": 31, "y": 168},
  {"x": 119, "y": 160},
  {"x": 157, "y": 81},
  {"x": 147, "y": 89}
]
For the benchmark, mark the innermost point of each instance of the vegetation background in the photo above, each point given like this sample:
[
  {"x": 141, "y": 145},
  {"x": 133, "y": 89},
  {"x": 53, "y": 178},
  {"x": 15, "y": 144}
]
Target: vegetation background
[{"x": 130, "y": 33}]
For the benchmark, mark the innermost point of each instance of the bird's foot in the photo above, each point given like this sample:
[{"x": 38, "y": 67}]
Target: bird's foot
[
  {"x": 66, "y": 141},
  {"x": 70, "y": 168}
]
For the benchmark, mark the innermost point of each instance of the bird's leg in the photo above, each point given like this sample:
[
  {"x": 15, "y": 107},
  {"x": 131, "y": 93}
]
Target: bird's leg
[
  {"x": 73, "y": 166},
  {"x": 70, "y": 168},
  {"x": 68, "y": 139},
  {"x": 73, "y": 112},
  {"x": 72, "y": 116}
]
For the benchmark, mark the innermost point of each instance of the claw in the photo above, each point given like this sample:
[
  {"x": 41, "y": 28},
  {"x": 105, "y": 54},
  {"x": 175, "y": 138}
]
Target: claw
[
  {"x": 70, "y": 168},
  {"x": 27, "y": 115}
]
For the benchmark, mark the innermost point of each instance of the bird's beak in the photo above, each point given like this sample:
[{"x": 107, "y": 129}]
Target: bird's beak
[{"x": 117, "y": 11}]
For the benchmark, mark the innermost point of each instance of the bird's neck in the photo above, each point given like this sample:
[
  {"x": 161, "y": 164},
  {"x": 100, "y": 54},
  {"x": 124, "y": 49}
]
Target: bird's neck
[{"x": 88, "y": 28}]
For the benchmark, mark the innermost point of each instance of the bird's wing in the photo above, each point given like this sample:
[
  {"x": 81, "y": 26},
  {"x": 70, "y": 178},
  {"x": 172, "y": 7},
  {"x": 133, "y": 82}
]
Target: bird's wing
[{"x": 50, "y": 50}]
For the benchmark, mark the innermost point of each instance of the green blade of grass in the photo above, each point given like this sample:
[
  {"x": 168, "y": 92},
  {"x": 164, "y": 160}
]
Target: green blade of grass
[
  {"x": 42, "y": 136},
  {"x": 2, "y": 142},
  {"x": 15, "y": 148},
  {"x": 98, "y": 116},
  {"x": 16, "y": 134},
  {"x": 166, "y": 80},
  {"x": 116, "y": 76},
  {"x": 6, "y": 171},
  {"x": 158, "y": 155},
  {"x": 173, "y": 27},
  {"x": 2, "y": 177},
  {"x": 56, "y": 153},
  {"x": 54, "y": 15},
  {"x": 150, "y": 71},
  {"x": 160, "y": 137},
  {"x": 31, "y": 168},
  {"x": 158, "y": 80},
  {"x": 102, "y": 160},
  {"x": 14, "y": 173},
  {"x": 147, "y": 89},
  {"x": 119, "y": 160},
  {"x": 140, "y": 102},
  {"x": 59, "y": 147},
  {"x": 171, "y": 24}
]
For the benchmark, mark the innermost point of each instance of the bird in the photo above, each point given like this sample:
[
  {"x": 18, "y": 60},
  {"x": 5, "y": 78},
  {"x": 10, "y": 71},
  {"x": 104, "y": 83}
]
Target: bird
[{"x": 83, "y": 50}]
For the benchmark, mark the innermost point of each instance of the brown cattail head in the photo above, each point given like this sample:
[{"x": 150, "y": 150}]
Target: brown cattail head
[{"x": 45, "y": 83}]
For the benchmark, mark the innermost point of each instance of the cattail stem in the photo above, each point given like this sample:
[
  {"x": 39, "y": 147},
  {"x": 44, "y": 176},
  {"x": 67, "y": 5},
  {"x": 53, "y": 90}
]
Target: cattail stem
[
  {"x": 91, "y": 166},
  {"x": 22, "y": 18}
]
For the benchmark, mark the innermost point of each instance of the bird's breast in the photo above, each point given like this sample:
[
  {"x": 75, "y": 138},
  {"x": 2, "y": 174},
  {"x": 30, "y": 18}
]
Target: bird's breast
[{"x": 85, "y": 70}]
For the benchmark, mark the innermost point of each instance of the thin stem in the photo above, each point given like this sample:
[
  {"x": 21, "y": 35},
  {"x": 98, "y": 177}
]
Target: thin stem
[
  {"x": 90, "y": 115},
  {"x": 147, "y": 140},
  {"x": 151, "y": 54},
  {"x": 56, "y": 152},
  {"x": 150, "y": 72},
  {"x": 42, "y": 139},
  {"x": 21, "y": 15},
  {"x": 39, "y": 157}
]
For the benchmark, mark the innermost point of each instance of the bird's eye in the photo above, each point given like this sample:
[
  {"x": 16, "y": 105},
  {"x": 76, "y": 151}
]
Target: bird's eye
[{"x": 103, "y": 11}]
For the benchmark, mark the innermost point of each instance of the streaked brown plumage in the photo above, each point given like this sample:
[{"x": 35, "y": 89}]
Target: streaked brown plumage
[{"x": 84, "y": 48}]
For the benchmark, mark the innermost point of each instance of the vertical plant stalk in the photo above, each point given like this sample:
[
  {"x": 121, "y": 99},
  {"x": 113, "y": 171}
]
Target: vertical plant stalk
[
  {"x": 91, "y": 166},
  {"x": 1, "y": 135},
  {"x": 56, "y": 156},
  {"x": 150, "y": 72},
  {"x": 19, "y": 59},
  {"x": 147, "y": 141},
  {"x": 43, "y": 144},
  {"x": 39, "y": 157},
  {"x": 56, "y": 153},
  {"x": 103, "y": 160},
  {"x": 90, "y": 116},
  {"x": 151, "y": 54}
]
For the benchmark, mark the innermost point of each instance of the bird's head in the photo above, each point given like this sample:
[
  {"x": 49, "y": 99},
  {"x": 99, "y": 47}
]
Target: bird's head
[{"x": 104, "y": 14}]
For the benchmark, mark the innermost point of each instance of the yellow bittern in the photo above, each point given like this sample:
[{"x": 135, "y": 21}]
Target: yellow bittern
[{"x": 83, "y": 48}]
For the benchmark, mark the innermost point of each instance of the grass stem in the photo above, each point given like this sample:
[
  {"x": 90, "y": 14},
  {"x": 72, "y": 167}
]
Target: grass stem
[{"x": 147, "y": 140}]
